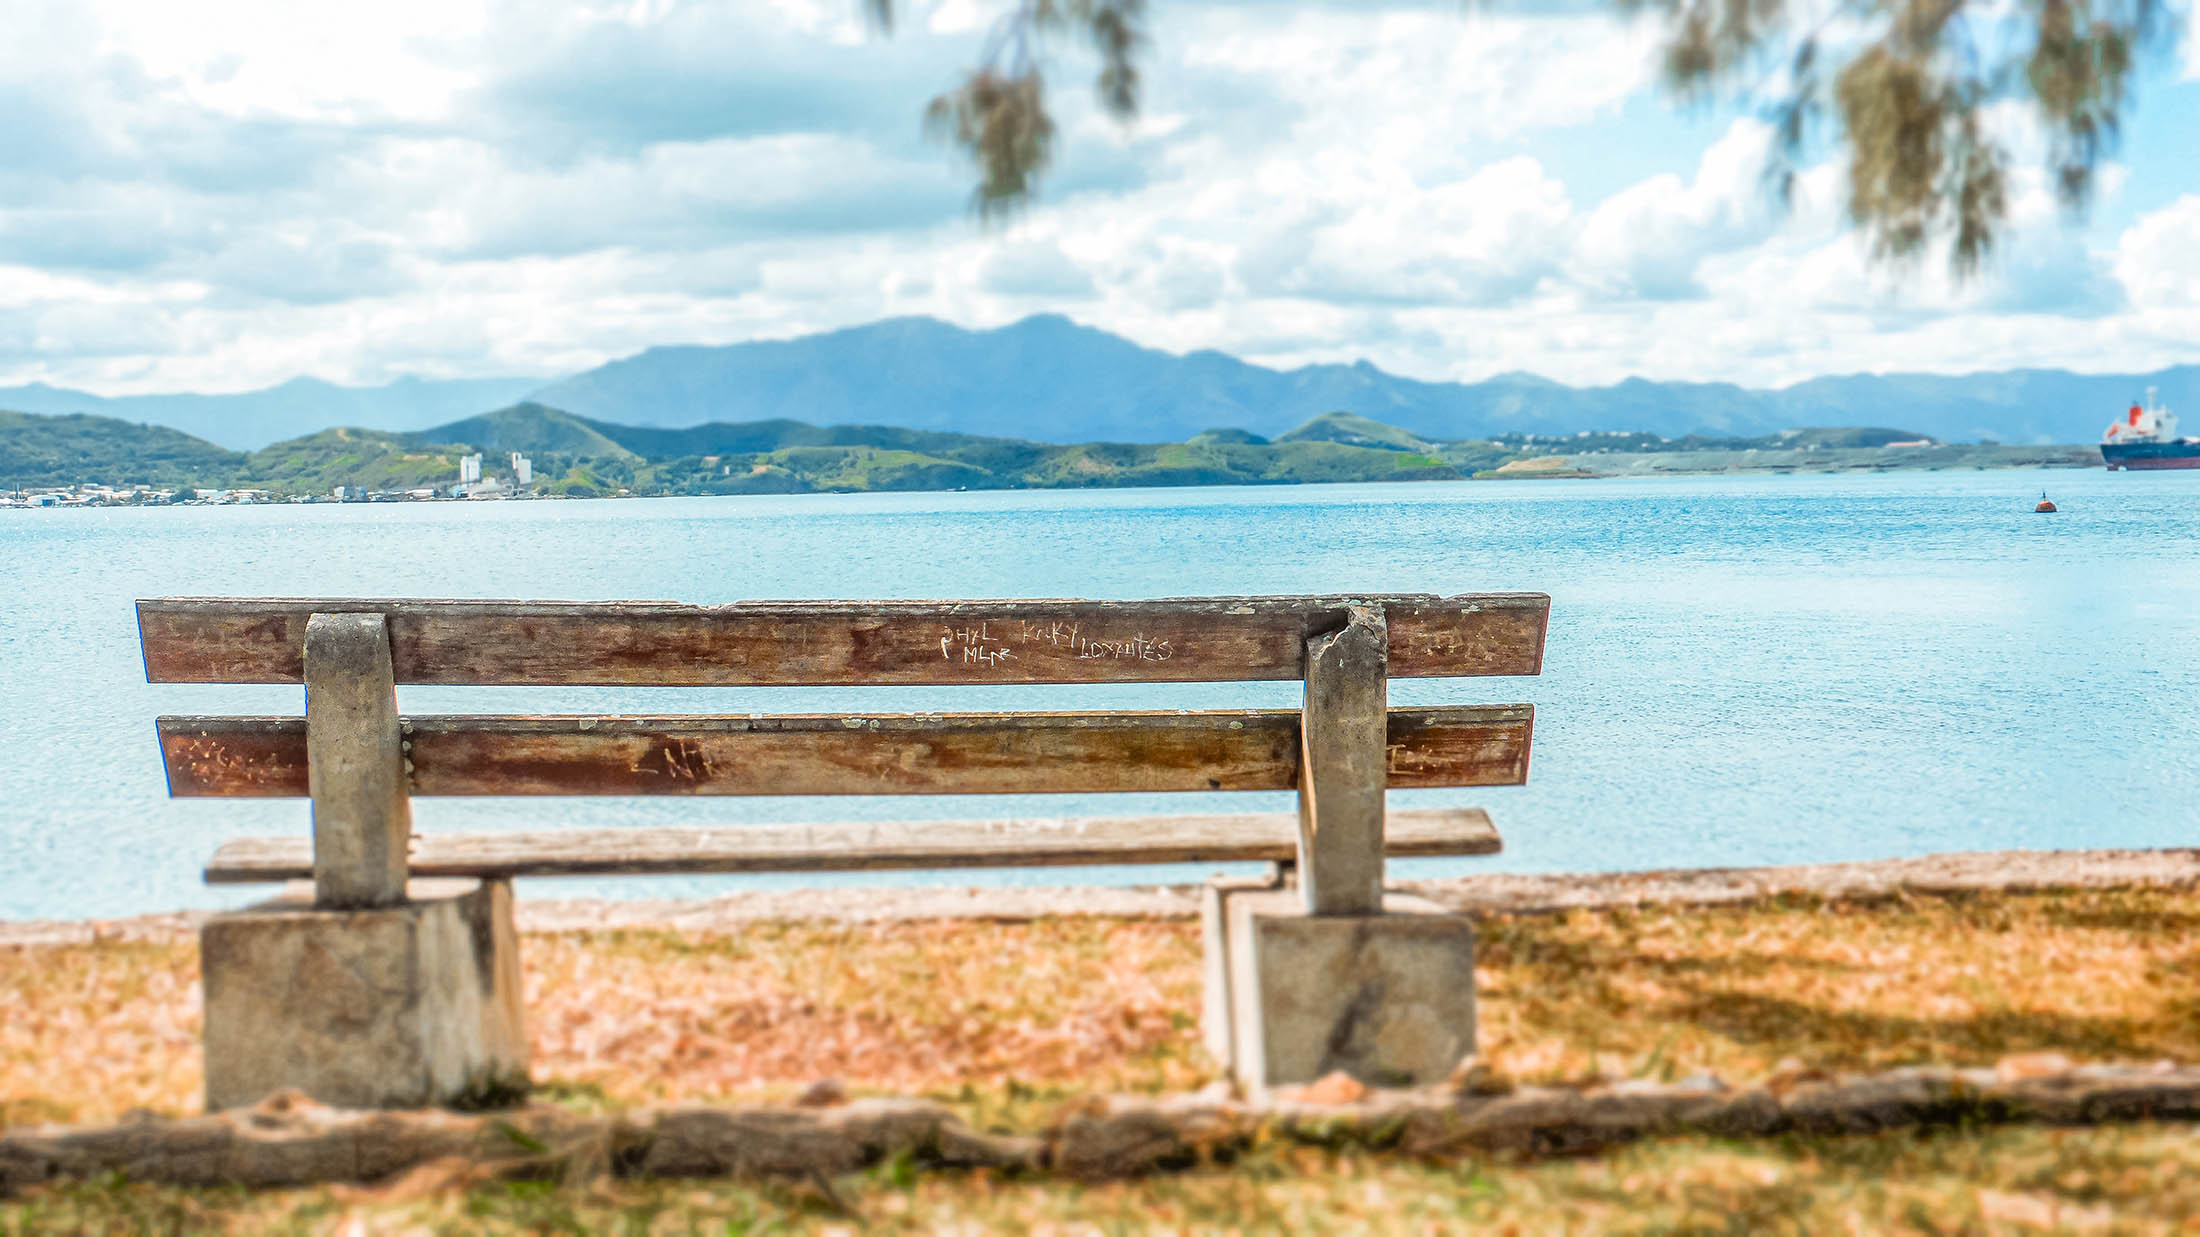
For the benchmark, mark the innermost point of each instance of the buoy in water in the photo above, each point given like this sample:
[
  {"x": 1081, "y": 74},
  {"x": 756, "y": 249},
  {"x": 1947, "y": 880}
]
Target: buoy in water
[{"x": 2045, "y": 507}]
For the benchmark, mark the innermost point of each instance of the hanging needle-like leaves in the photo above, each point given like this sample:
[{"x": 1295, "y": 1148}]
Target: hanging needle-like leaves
[{"x": 1906, "y": 85}]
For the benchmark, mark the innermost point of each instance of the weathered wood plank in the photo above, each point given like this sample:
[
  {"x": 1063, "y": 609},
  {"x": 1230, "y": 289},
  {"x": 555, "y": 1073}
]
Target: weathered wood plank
[
  {"x": 355, "y": 766},
  {"x": 785, "y": 643},
  {"x": 829, "y": 754},
  {"x": 866, "y": 846},
  {"x": 1344, "y": 769}
]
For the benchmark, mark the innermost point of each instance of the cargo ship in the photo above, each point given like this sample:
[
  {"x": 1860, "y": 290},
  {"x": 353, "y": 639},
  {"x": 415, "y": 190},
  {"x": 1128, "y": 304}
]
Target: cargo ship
[{"x": 2146, "y": 437}]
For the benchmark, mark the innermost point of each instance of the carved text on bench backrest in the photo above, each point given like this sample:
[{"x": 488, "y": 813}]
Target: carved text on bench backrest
[{"x": 231, "y": 640}]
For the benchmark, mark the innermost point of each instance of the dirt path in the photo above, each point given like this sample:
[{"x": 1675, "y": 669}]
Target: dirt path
[{"x": 1973, "y": 870}]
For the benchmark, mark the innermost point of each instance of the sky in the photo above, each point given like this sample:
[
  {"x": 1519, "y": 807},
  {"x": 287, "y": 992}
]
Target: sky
[{"x": 226, "y": 195}]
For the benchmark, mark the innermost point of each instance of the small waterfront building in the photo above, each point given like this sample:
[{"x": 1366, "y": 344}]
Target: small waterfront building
[
  {"x": 469, "y": 469},
  {"x": 523, "y": 470}
]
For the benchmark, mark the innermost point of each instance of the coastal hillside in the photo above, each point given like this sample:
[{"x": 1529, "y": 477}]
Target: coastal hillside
[
  {"x": 1357, "y": 431},
  {"x": 581, "y": 455},
  {"x": 528, "y": 427},
  {"x": 354, "y": 458},
  {"x": 248, "y": 420},
  {"x": 573, "y": 456},
  {"x": 79, "y": 449}
]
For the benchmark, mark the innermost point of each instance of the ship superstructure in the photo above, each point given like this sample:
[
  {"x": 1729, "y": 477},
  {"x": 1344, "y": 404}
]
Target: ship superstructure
[{"x": 2146, "y": 437}]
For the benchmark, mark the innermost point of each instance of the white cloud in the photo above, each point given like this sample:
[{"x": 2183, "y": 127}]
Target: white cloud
[
  {"x": 1647, "y": 239},
  {"x": 2158, "y": 257},
  {"x": 958, "y": 17},
  {"x": 1415, "y": 82},
  {"x": 333, "y": 62},
  {"x": 217, "y": 197},
  {"x": 1363, "y": 233}
]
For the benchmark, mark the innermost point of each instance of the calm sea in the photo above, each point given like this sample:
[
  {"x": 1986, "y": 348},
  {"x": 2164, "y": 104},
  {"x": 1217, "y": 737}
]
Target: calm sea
[{"x": 1739, "y": 671}]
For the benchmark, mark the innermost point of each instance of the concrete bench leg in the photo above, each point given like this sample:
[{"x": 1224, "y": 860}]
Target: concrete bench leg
[
  {"x": 375, "y": 991},
  {"x": 1337, "y": 975},
  {"x": 1293, "y": 996},
  {"x": 402, "y": 1006}
]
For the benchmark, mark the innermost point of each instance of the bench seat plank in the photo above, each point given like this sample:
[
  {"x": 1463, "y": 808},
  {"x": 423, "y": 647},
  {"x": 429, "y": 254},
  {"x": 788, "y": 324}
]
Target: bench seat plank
[
  {"x": 867, "y": 846},
  {"x": 792, "y": 643},
  {"x": 830, "y": 754}
]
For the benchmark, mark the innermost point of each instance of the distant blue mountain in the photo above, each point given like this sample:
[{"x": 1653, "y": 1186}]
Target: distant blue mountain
[
  {"x": 250, "y": 420},
  {"x": 1050, "y": 379},
  {"x": 2013, "y": 406}
]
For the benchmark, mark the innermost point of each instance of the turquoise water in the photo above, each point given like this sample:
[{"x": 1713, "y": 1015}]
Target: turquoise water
[{"x": 1739, "y": 671}]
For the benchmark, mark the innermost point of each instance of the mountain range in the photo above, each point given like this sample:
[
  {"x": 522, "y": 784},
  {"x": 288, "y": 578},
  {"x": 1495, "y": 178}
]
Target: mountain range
[{"x": 1049, "y": 379}]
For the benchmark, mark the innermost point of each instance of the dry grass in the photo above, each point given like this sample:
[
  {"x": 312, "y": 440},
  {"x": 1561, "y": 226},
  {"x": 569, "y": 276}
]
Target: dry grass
[
  {"x": 2111, "y": 975},
  {"x": 1008, "y": 1018},
  {"x": 1088, "y": 1004},
  {"x": 910, "y": 1007},
  {"x": 88, "y": 1033}
]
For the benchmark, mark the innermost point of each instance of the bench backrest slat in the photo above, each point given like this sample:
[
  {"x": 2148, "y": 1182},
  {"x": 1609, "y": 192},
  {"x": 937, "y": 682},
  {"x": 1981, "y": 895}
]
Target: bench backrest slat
[
  {"x": 833, "y": 754},
  {"x": 775, "y": 643}
]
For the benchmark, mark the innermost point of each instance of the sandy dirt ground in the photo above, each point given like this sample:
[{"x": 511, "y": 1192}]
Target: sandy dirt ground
[{"x": 2007, "y": 870}]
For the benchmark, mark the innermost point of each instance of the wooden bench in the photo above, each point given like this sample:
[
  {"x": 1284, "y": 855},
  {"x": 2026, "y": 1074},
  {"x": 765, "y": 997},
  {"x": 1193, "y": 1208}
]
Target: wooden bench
[{"x": 360, "y": 762}]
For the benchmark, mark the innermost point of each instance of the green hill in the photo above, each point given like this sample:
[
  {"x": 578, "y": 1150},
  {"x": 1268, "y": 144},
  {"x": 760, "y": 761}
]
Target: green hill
[
  {"x": 739, "y": 437},
  {"x": 780, "y": 456},
  {"x": 717, "y": 437},
  {"x": 530, "y": 428},
  {"x": 1227, "y": 436},
  {"x": 361, "y": 459},
  {"x": 1356, "y": 431},
  {"x": 79, "y": 449},
  {"x": 577, "y": 457}
]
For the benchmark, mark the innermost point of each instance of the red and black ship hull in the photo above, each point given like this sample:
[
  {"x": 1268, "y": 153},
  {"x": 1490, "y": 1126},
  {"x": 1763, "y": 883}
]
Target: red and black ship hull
[{"x": 2139, "y": 456}]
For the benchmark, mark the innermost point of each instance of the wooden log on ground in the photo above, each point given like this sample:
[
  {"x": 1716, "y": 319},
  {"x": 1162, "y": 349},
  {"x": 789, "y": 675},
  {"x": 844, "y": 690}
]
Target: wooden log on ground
[
  {"x": 758, "y": 643},
  {"x": 286, "y": 1141},
  {"x": 840, "y": 754}
]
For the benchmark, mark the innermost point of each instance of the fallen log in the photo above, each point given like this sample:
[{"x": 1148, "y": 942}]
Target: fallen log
[{"x": 287, "y": 1140}]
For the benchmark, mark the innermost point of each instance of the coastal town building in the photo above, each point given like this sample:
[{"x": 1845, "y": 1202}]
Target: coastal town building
[{"x": 87, "y": 495}]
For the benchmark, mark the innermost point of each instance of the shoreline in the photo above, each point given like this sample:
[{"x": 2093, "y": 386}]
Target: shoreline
[
  {"x": 1594, "y": 465},
  {"x": 1537, "y": 474},
  {"x": 1949, "y": 873}
]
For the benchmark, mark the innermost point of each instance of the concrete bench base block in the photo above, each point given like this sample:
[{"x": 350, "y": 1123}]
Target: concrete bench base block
[
  {"x": 1388, "y": 999},
  {"x": 401, "y": 1007}
]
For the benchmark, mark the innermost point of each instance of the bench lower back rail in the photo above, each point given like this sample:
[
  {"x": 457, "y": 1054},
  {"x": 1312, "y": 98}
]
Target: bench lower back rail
[{"x": 866, "y": 846}]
